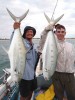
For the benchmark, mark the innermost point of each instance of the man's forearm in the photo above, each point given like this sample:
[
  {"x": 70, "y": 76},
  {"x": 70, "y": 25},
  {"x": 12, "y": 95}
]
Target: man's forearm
[{"x": 42, "y": 40}]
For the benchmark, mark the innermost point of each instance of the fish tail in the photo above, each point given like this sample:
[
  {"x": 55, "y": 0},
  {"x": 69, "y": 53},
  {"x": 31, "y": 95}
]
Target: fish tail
[{"x": 4, "y": 49}]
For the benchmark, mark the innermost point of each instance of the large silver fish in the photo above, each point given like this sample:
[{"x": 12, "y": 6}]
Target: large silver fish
[
  {"x": 17, "y": 51},
  {"x": 49, "y": 53}
]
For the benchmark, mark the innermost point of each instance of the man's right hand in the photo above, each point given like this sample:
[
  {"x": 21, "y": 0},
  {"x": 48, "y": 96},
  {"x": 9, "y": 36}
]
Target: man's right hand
[
  {"x": 16, "y": 25},
  {"x": 49, "y": 27}
]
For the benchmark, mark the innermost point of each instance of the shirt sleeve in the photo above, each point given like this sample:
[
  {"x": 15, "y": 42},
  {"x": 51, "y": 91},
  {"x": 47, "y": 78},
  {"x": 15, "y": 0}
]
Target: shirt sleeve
[{"x": 42, "y": 40}]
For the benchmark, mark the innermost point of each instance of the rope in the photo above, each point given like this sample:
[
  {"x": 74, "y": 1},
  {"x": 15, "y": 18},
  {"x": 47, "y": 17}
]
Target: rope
[{"x": 54, "y": 9}]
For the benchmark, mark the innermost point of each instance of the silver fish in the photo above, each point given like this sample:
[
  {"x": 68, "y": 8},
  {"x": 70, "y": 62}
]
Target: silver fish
[
  {"x": 49, "y": 53},
  {"x": 17, "y": 51}
]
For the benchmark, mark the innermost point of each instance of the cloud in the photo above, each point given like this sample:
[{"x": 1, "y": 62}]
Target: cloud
[{"x": 35, "y": 16}]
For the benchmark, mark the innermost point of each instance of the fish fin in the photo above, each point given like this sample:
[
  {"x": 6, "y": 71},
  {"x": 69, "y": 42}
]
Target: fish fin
[
  {"x": 56, "y": 20},
  {"x": 12, "y": 15},
  {"x": 4, "y": 49},
  {"x": 51, "y": 21},
  {"x": 24, "y": 15},
  {"x": 48, "y": 19},
  {"x": 17, "y": 19}
]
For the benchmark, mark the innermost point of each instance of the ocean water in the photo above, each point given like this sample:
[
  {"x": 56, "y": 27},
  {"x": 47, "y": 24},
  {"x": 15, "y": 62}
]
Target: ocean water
[{"x": 4, "y": 60}]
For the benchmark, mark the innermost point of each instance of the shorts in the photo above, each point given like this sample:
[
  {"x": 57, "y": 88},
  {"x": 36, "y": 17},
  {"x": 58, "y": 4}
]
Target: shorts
[{"x": 27, "y": 86}]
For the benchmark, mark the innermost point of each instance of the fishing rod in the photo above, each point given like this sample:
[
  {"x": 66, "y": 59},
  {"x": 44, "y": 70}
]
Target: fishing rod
[{"x": 54, "y": 9}]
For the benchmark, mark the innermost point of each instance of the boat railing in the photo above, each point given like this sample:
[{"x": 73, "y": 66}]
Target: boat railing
[{"x": 4, "y": 76}]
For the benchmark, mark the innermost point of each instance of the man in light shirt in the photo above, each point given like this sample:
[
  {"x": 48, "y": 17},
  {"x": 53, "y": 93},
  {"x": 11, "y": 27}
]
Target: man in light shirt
[{"x": 63, "y": 78}]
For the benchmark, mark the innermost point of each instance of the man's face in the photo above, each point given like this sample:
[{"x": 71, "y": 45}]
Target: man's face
[
  {"x": 60, "y": 33},
  {"x": 29, "y": 34}
]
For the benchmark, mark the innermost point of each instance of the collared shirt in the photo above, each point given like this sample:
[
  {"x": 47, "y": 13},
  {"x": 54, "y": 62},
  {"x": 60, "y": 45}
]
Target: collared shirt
[
  {"x": 65, "y": 61},
  {"x": 31, "y": 58}
]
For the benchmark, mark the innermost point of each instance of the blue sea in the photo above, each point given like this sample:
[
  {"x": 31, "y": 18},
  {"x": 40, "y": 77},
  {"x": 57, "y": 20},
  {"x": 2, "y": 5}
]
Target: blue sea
[{"x": 4, "y": 60}]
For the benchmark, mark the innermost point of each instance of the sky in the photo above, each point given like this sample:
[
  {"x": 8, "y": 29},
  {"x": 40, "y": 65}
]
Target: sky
[{"x": 36, "y": 16}]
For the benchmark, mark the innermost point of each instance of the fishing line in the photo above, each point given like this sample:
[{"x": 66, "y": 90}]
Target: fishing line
[{"x": 54, "y": 9}]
